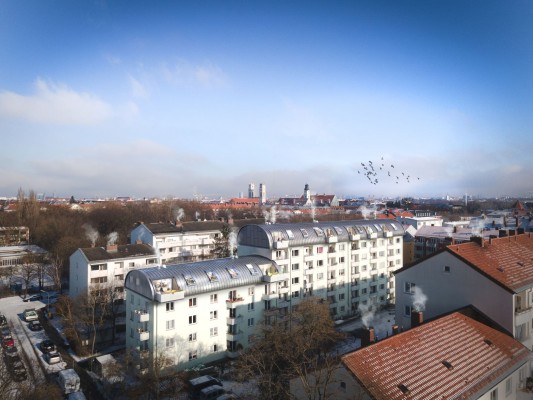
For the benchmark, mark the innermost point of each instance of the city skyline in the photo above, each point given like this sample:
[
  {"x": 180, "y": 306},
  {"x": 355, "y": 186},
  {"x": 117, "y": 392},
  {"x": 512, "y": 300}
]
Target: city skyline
[{"x": 103, "y": 99}]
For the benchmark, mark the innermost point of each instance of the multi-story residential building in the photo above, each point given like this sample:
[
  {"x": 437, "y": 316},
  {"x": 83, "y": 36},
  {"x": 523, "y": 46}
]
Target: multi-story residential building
[
  {"x": 200, "y": 312},
  {"x": 349, "y": 263},
  {"x": 418, "y": 222},
  {"x": 98, "y": 267},
  {"x": 452, "y": 357},
  {"x": 14, "y": 235},
  {"x": 208, "y": 310},
  {"x": 180, "y": 242},
  {"x": 495, "y": 276}
]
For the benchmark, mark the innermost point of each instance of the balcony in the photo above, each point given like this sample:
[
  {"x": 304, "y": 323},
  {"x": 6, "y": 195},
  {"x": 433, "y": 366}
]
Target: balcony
[
  {"x": 355, "y": 236},
  {"x": 522, "y": 315},
  {"x": 233, "y": 320},
  {"x": 283, "y": 290},
  {"x": 281, "y": 244},
  {"x": 233, "y": 302},
  {"x": 372, "y": 235},
  {"x": 169, "y": 295},
  {"x": 142, "y": 335},
  {"x": 275, "y": 277},
  {"x": 232, "y": 353},
  {"x": 387, "y": 234},
  {"x": 233, "y": 336},
  {"x": 308, "y": 285},
  {"x": 272, "y": 311},
  {"x": 142, "y": 316},
  {"x": 332, "y": 239},
  {"x": 270, "y": 296},
  {"x": 332, "y": 279}
]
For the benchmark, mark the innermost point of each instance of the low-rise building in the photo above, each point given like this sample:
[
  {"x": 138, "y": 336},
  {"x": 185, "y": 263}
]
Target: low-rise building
[{"x": 495, "y": 276}]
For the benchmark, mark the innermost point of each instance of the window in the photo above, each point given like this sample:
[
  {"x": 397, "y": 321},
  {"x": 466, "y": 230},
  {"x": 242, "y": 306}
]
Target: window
[
  {"x": 169, "y": 342},
  {"x": 170, "y": 324},
  {"x": 251, "y": 291},
  {"x": 494, "y": 394},
  {"x": 192, "y": 337},
  {"x": 192, "y": 302},
  {"x": 295, "y": 280},
  {"x": 211, "y": 276},
  {"x": 407, "y": 311},
  {"x": 508, "y": 386},
  {"x": 341, "y": 272},
  {"x": 364, "y": 290},
  {"x": 304, "y": 232},
  {"x": 295, "y": 253},
  {"x": 250, "y": 306},
  {"x": 296, "y": 293},
  {"x": 341, "y": 296},
  {"x": 215, "y": 348},
  {"x": 192, "y": 319},
  {"x": 102, "y": 279},
  {"x": 343, "y": 386},
  {"x": 213, "y": 315},
  {"x": 170, "y": 306},
  {"x": 99, "y": 267},
  {"x": 213, "y": 298},
  {"x": 193, "y": 355},
  {"x": 295, "y": 267},
  {"x": 447, "y": 269},
  {"x": 319, "y": 249},
  {"x": 409, "y": 287},
  {"x": 320, "y": 276},
  {"x": 355, "y": 293},
  {"x": 250, "y": 322},
  {"x": 319, "y": 263},
  {"x": 213, "y": 331},
  {"x": 341, "y": 246}
]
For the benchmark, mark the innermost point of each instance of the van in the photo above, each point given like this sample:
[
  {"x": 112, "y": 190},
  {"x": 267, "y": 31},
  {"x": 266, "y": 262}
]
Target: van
[
  {"x": 211, "y": 392},
  {"x": 197, "y": 384}
]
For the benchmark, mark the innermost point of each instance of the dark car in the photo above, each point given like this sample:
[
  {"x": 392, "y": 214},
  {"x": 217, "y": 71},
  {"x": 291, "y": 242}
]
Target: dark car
[
  {"x": 53, "y": 357},
  {"x": 10, "y": 352},
  {"x": 16, "y": 368},
  {"x": 5, "y": 332},
  {"x": 3, "y": 320},
  {"x": 35, "y": 297},
  {"x": 35, "y": 326},
  {"x": 47, "y": 346}
]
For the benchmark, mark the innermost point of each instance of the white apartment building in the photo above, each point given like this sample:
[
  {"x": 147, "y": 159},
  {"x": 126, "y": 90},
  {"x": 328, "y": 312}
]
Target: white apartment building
[
  {"x": 180, "y": 242},
  {"x": 205, "y": 311},
  {"x": 495, "y": 276},
  {"x": 100, "y": 267},
  {"x": 418, "y": 222},
  {"x": 349, "y": 263}
]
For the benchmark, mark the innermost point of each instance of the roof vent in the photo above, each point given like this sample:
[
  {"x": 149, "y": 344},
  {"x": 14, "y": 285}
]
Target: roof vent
[
  {"x": 403, "y": 388},
  {"x": 501, "y": 269},
  {"x": 447, "y": 365},
  {"x": 488, "y": 342}
]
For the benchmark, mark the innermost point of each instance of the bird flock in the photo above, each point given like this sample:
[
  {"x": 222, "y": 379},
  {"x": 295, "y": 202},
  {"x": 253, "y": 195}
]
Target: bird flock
[{"x": 374, "y": 171}]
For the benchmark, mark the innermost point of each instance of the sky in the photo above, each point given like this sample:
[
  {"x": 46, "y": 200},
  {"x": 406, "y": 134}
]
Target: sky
[{"x": 197, "y": 99}]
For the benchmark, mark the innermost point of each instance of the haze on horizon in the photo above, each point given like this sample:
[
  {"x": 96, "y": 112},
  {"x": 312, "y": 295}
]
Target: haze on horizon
[{"x": 115, "y": 98}]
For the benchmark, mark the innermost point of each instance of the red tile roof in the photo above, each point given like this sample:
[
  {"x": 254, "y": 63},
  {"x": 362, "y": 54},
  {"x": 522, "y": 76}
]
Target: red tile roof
[
  {"x": 477, "y": 355},
  {"x": 506, "y": 260}
]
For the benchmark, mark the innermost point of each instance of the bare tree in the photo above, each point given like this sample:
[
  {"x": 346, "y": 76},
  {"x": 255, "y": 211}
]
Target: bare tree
[
  {"x": 27, "y": 271},
  {"x": 300, "y": 346}
]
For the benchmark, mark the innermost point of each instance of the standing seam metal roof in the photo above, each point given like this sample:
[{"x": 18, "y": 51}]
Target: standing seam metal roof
[
  {"x": 266, "y": 234},
  {"x": 185, "y": 274}
]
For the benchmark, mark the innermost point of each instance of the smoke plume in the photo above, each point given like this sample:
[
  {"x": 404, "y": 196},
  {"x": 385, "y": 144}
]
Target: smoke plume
[
  {"x": 112, "y": 238},
  {"x": 419, "y": 299},
  {"x": 90, "y": 233}
]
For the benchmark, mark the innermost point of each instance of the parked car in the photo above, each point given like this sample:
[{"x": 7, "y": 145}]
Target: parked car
[
  {"x": 35, "y": 326},
  {"x": 3, "y": 320},
  {"x": 17, "y": 369},
  {"x": 5, "y": 332},
  {"x": 11, "y": 352},
  {"x": 197, "y": 384},
  {"x": 47, "y": 346},
  {"x": 34, "y": 297},
  {"x": 30, "y": 315},
  {"x": 7, "y": 342},
  {"x": 53, "y": 357}
]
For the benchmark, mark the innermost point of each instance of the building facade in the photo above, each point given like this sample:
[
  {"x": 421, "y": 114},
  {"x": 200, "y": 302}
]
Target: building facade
[{"x": 495, "y": 276}]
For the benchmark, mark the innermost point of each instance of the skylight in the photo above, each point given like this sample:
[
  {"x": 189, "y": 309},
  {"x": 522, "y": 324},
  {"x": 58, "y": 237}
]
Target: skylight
[
  {"x": 252, "y": 269},
  {"x": 234, "y": 274},
  {"x": 211, "y": 276}
]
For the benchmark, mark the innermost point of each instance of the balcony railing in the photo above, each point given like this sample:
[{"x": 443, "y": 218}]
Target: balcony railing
[
  {"x": 275, "y": 277},
  {"x": 355, "y": 236},
  {"x": 332, "y": 239},
  {"x": 233, "y": 302},
  {"x": 142, "y": 335},
  {"x": 169, "y": 295},
  {"x": 142, "y": 316},
  {"x": 281, "y": 244}
]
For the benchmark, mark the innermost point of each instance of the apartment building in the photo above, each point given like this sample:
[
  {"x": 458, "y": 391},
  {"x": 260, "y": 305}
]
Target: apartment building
[
  {"x": 198, "y": 312},
  {"x": 419, "y": 221},
  {"x": 14, "y": 235},
  {"x": 451, "y": 357},
  {"x": 494, "y": 275},
  {"x": 101, "y": 267},
  {"x": 180, "y": 242},
  {"x": 205, "y": 311},
  {"x": 349, "y": 263}
]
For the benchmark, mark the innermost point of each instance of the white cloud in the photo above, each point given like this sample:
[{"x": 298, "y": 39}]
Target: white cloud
[
  {"x": 138, "y": 90},
  {"x": 185, "y": 73},
  {"x": 55, "y": 104}
]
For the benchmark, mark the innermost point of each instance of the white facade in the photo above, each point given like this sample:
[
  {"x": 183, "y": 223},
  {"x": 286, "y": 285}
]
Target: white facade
[
  {"x": 450, "y": 283},
  {"x": 418, "y": 222},
  {"x": 99, "y": 267},
  {"x": 173, "y": 244}
]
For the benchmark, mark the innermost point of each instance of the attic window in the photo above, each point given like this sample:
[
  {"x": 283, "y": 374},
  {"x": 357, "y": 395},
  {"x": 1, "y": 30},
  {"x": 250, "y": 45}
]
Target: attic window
[
  {"x": 378, "y": 228},
  {"x": 403, "y": 388},
  {"x": 304, "y": 232},
  {"x": 211, "y": 276},
  {"x": 447, "y": 365},
  {"x": 189, "y": 280},
  {"x": 338, "y": 229},
  {"x": 289, "y": 234},
  {"x": 234, "y": 274},
  {"x": 319, "y": 232},
  {"x": 487, "y": 342},
  {"x": 252, "y": 269},
  {"x": 277, "y": 236}
]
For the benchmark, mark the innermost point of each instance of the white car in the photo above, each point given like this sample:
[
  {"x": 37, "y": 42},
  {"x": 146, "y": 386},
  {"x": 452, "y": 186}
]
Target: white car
[{"x": 30, "y": 315}]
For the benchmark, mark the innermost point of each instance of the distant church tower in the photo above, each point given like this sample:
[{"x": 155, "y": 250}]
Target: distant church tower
[
  {"x": 307, "y": 194},
  {"x": 251, "y": 191},
  {"x": 262, "y": 193}
]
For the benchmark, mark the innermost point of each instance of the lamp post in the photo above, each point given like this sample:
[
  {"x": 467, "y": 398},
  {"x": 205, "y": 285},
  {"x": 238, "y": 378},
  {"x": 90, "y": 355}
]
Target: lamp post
[{"x": 48, "y": 303}]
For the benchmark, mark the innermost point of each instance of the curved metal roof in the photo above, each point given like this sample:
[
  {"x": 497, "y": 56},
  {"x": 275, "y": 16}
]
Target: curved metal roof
[
  {"x": 201, "y": 277},
  {"x": 308, "y": 233}
]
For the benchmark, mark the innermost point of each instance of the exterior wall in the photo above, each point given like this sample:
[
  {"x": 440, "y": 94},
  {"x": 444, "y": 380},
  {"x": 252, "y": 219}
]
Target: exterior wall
[
  {"x": 418, "y": 222},
  {"x": 510, "y": 386},
  {"x": 449, "y": 291},
  {"x": 79, "y": 274}
]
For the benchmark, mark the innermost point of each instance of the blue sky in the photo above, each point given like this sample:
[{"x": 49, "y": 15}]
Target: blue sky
[{"x": 117, "y": 98}]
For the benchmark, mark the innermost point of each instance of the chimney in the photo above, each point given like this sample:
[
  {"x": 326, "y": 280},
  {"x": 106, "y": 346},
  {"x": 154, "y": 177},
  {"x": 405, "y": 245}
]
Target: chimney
[
  {"x": 368, "y": 337},
  {"x": 520, "y": 231},
  {"x": 512, "y": 232},
  {"x": 502, "y": 233},
  {"x": 395, "y": 330},
  {"x": 477, "y": 239},
  {"x": 417, "y": 318},
  {"x": 138, "y": 241},
  {"x": 111, "y": 248}
]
